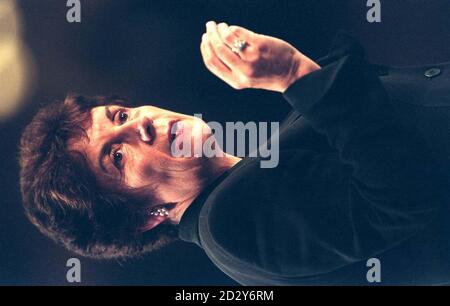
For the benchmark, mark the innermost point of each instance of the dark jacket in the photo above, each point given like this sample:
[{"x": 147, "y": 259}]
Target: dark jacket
[{"x": 364, "y": 157}]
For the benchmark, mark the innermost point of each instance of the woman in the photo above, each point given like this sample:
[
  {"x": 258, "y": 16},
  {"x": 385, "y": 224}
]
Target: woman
[{"x": 355, "y": 179}]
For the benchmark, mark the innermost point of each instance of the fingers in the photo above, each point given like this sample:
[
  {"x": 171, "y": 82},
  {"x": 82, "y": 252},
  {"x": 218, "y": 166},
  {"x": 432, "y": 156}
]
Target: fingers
[
  {"x": 215, "y": 65},
  {"x": 222, "y": 50},
  {"x": 218, "y": 57},
  {"x": 226, "y": 35},
  {"x": 212, "y": 62}
]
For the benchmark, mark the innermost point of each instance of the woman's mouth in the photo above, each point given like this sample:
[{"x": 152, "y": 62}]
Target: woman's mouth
[
  {"x": 183, "y": 134},
  {"x": 173, "y": 131}
]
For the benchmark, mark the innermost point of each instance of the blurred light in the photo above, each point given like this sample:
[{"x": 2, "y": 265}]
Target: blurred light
[{"x": 16, "y": 63}]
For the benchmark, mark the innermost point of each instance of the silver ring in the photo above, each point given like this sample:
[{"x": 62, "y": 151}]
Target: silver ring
[{"x": 238, "y": 45}]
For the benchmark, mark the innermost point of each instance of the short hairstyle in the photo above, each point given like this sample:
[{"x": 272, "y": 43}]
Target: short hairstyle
[{"x": 62, "y": 197}]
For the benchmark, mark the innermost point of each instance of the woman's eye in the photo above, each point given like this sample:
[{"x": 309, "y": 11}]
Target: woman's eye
[
  {"x": 121, "y": 116},
  {"x": 117, "y": 157}
]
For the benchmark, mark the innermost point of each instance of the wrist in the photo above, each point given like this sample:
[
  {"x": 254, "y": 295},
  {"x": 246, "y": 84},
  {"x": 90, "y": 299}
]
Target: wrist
[{"x": 302, "y": 66}]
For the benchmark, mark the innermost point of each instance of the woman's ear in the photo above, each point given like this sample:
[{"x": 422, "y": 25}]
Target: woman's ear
[
  {"x": 152, "y": 222},
  {"x": 157, "y": 215}
]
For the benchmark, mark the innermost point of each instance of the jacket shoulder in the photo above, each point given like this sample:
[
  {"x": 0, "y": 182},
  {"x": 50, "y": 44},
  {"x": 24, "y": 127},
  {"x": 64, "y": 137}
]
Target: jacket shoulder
[{"x": 427, "y": 85}]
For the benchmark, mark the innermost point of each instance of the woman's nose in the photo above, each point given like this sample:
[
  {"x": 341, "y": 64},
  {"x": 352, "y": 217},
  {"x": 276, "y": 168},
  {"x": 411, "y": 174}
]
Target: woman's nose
[
  {"x": 145, "y": 132},
  {"x": 141, "y": 128},
  {"x": 145, "y": 129}
]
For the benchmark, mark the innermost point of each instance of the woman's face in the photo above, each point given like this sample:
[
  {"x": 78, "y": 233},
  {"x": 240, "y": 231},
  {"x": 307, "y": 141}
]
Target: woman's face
[{"x": 133, "y": 147}]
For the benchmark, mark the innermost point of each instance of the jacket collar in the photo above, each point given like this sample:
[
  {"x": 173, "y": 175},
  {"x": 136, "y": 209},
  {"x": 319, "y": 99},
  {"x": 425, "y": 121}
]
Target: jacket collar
[{"x": 188, "y": 226}]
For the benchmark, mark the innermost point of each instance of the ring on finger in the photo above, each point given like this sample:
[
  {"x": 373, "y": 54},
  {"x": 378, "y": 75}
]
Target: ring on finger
[{"x": 238, "y": 45}]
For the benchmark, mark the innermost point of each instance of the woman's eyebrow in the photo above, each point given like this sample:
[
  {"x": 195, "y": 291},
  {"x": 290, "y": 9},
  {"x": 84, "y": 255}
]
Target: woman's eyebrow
[
  {"x": 104, "y": 152},
  {"x": 106, "y": 147},
  {"x": 108, "y": 113}
]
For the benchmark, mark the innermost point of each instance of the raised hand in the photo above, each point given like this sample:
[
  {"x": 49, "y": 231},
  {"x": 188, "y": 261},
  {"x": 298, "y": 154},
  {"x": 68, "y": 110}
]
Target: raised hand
[{"x": 244, "y": 59}]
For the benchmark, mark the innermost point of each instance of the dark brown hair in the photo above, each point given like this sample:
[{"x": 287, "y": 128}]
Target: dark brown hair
[{"x": 61, "y": 196}]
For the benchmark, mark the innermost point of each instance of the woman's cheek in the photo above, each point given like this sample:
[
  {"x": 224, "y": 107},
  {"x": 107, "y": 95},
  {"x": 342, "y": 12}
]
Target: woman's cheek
[
  {"x": 132, "y": 167},
  {"x": 141, "y": 168}
]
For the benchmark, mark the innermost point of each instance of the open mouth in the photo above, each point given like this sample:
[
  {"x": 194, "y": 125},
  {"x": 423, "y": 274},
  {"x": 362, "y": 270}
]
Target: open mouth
[
  {"x": 172, "y": 131},
  {"x": 150, "y": 133}
]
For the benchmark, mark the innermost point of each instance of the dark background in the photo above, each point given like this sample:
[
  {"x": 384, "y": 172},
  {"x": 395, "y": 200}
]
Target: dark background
[{"x": 149, "y": 51}]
